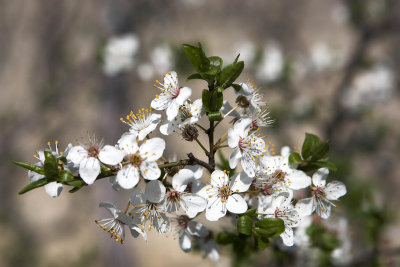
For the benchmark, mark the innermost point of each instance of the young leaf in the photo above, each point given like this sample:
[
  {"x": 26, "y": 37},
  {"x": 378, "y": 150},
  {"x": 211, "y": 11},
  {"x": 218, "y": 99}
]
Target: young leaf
[
  {"x": 309, "y": 144},
  {"x": 325, "y": 164},
  {"x": 319, "y": 151},
  {"x": 225, "y": 238},
  {"x": 244, "y": 225},
  {"x": 195, "y": 76},
  {"x": 270, "y": 227},
  {"x": 33, "y": 185},
  {"x": 295, "y": 158},
  {"x": 50, "y": 165},
  {"x": 197, "y": 57},
  {"x": 229, "y": 74},
  {"x": 237, "y": 87},
  {"x": 215, "y": 116},
  {"x": 38, "y": 169},
  {"x": 73, "y": 190},
  {"x": 206, "y": 99},
  {"x": 251, "y": 212},
  {"x": 215, "y": 65},
  {"x": 65, "y": 176}
]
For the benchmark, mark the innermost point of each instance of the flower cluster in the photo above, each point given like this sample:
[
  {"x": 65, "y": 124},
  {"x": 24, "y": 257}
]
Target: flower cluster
[{"x": 170, "y": 196}]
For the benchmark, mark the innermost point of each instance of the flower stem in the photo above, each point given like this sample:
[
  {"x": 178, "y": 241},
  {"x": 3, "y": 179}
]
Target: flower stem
[
  {"x": 201, "y": 145},
  {"x": 127, "y": 207}
]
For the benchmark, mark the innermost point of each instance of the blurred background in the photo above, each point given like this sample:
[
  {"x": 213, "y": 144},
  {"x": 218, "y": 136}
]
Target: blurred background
[{"x": 68, "y": 68}]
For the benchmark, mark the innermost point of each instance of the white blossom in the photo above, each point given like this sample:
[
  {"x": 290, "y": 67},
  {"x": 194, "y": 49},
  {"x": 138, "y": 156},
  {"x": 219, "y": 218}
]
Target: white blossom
[
  {"x": 272, "y": 63},
  {"x": 323, "y": 195},
  {"x": 222, "y": 194},
  {"x": 118, "y": 54},
  {"x": 172, "y": 95},
  {"x": 281, "y": 208},
  {"x": 147, "y": 207},
  {"x": 142, "y": 123},
  {"x": 252, "y": 96},
  {"x": 115, "y": 225},
  {"x": 247, "y": 147},
  {"x": 88, "y": 157},
  {"x": 189, "y": 113},
  {"x": 139, "y": 161},
  {"x": 186, "y": 230}
]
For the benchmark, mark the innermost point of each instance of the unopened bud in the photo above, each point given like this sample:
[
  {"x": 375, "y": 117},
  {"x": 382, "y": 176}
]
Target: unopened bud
[
  {"x": 189, "y": 133},
  {"x": 242, "y": 101}
]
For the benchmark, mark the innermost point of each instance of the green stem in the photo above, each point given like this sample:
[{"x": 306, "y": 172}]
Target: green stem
[
  {"x": 201, "y": 145},
  {"x": 211, "y": 159}
]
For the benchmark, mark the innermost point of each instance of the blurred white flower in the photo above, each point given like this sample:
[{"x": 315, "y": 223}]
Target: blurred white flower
[
  {"x": 145, "y": 71},
  {"x": 369, "y": 88},
  {"x": 322, "y": 56},
  {"x": 340, "y": 13},
  {"x": 119, "y": 53},
  {"x": 247, "y": 51},
  {"x": 272, "y": 63},
  {"x": 161, "y": 57}
]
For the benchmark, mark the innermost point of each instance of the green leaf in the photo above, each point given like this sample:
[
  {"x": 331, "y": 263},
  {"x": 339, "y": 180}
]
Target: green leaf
[
  {"x": 325, "y": 164},
  {"x": 270, "y": 227},
  {"x": 237, "y": 58},
  {"x": 65, "y": 176},
  {"x": 251, "y": 212},
  {"x": 73, "y": 190},
  {"x": 212, "y": 100},
  {"x": 310, "y": 142},
  {"x": 215, "y": 65},
  {"x": 194, "y": 76},
  {"x": 244, "y": 225},
  {"x": 215, "y": 116},
  {"x": 76, "y": 183},
  {"x": 262, "y": 242},
  {"x": 295, "y": 158},
  {"x": 229, "y": 74},
  {"x": 319, "y": 151},
  {"x": 38, "y": 169},
  {"x": 50, "y": 165},
  {"x": 206, "y": 99},
  {"x": 237, "y": 87},
  {"x": 33, "y": 185},
  {"x": 197, "y": 57},
  {"x": 225, "y": 238}
]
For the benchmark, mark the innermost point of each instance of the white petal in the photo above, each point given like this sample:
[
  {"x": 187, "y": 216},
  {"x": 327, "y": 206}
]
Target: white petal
[
  {"x": 234, "y": 158},
  {"x": 155, "y": 191},
  {"x": 184, "y": 241},
  {"x": 53, "y": 189},
  {"x": 298, "y": 180},
  {"x": 89, "y": 169},
  {"x": 197, "y": 229},
  {"x": 335, "y": 190},
  {"x": 236, "y": 204},
  {"x": 181, "y": 179},
  {"x": 34, "y": 176},
  {"x": 197, "y": 108},
  {"x": 109, "y": 207},
  {"x": 128, "y": 177},
  {"x": 197, "y": 186},
  {"x": 152, "y": 149},
  {"x": 219, "y": 178},
  {"x": 305, "y": 207},
  {"x": 197, "y": 171},
  {"x": 215, "y": 209},
  {"x": 136, "y": 197},
  {"x": 319, "y": 178},
  {"x": 285, "y": 151},
  {"x": 248, "y": 165},
  {"x": 169, "y": 127},
  {"x": 161, "y": 102},
  {"x": 171, "y": 80},
  {"x": 77, "y": 154},
  {"x": 111, "y": 155},
  {"x": 184, "y": 94},
  {"x": 193, "y": 204},
  {"x": 150, "y": 170},
  {"x": 242, "y": 127},
  {"x": 172, "y": 110},
  {"x": 240, "y": 182},
  {"x": 128, "y": 143},
  {"x": 287, "y": 237},
  {"x": 206, "y": 191},
  {"x": 136, "y": 231}
]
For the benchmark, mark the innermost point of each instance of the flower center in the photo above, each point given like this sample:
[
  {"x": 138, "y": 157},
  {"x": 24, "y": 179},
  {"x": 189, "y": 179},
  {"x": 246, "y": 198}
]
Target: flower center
[
  {"x": 254, "y": 124},
  {"x": 241, "y": 144},
  {"x": 93, "y": 151},
  {"x": 224, "y": 192},
  {"x": 183, "y": 221},
  {"x": 318, "y": 192},
  {"x": 135, "y": 159},
  {"x": 176, "y": 94},
  {"x": 174, "y": 196},
  {"x": 279, "y": 176}
]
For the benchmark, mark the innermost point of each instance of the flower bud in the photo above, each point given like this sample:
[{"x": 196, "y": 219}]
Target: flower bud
[
  {"x": 242, "y": 101},
  {"x": 189, "y": 133}
]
